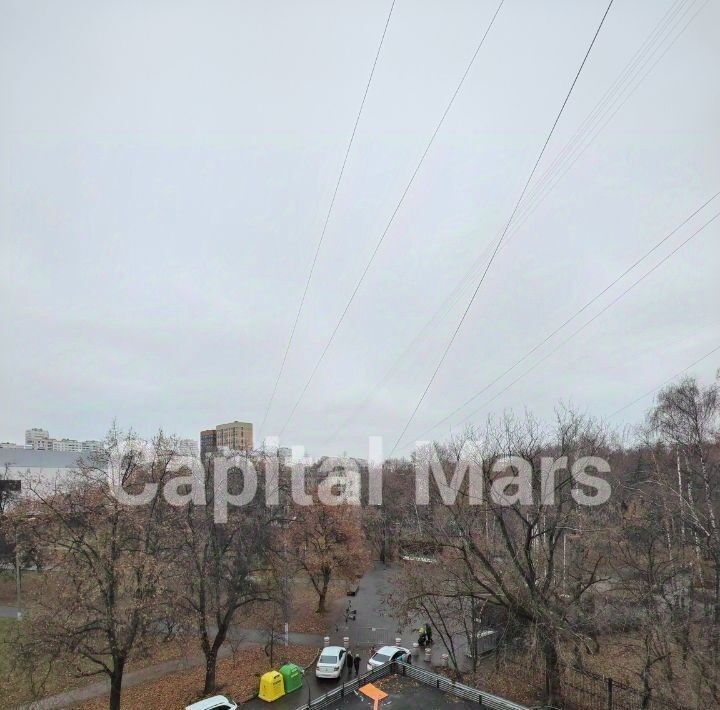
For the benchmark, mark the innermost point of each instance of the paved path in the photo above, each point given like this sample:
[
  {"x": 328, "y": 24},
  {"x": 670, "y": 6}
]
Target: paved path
[
  {"x": 71, "y": 698},
  {"x": 246, "y": 637},
  {"x": 371, "y": 613}
]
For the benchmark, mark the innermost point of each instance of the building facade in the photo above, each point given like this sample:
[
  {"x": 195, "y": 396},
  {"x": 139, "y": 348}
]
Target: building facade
[
  {"x": 236, "y": 436},
  {"x": 187, "y": 447},
  {"x": 67, "y": 445},
  {"x": 40, "y": 440},
  {"x": 208, "y": 442}
]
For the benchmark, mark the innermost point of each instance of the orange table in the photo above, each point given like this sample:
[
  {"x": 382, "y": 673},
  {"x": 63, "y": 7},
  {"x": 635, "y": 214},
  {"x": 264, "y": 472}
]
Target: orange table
[{"x": 375, "y": 694}]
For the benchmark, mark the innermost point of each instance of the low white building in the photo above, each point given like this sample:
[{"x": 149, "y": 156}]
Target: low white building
[
  {"x": 67, "y": 445},
  {"x": 38, "y": 470}
]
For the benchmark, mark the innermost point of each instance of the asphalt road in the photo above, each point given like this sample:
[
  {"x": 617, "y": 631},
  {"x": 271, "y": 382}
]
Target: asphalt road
[{"x": 373, "y": 626}]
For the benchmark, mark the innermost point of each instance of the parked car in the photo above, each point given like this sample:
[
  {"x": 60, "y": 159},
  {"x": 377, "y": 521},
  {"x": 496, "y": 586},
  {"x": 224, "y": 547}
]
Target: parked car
[
  {"x": 217, "y": 702},
  {"x": 387, "y": 654},
  {"x": 331, "y": 662}
]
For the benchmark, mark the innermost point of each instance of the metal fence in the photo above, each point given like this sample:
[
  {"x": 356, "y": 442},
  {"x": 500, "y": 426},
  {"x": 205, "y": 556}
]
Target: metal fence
[
  {"x": 329, "y": 699},
  {"x": 375, "y": 636},
  {"x": 581, "y": 690},
  {"x": 584, "y": 690},
  {"x": 591, "y": 691},
  {"x": 483, "y": 700}
]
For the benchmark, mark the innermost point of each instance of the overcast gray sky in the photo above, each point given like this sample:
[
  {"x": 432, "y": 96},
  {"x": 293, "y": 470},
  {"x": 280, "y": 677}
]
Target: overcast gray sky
[{"x": 166, "y": 167}]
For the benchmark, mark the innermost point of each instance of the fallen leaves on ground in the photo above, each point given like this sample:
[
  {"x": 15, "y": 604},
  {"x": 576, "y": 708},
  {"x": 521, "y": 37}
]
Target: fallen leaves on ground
[{"x": 237, "y": 677}]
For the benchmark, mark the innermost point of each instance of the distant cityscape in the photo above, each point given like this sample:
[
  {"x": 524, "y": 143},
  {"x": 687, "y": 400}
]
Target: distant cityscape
[
  {"x": 40, "y": 440},
  {"x": 37, "y": 439},
  {"x": 40, "y": 448}
]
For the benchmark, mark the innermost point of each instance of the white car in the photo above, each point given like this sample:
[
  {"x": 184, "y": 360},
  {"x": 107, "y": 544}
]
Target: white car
[
  {"x": 331, "y": 662},
  {"x": 387, "y": 654},
  {"x": 217, "y": 702}
]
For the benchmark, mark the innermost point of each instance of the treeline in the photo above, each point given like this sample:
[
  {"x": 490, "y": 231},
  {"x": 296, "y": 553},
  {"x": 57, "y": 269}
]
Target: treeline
[{"x": 637, "y": 577}]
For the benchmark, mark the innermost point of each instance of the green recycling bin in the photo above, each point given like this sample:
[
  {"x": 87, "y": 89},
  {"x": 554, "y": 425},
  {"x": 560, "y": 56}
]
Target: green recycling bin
[{"x": 292, "y": 676}]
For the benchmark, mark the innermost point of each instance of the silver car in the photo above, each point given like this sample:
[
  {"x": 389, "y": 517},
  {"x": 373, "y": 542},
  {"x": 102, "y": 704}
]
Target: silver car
[{"x": 387, "y": 654}]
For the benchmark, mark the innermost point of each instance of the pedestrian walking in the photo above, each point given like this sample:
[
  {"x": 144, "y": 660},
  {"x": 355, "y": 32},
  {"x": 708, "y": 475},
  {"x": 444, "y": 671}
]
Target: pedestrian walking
[
  {"x": 428, "y": 632},
  {"x": 349, "y": 663},
  {"x": 357, "y": 663}
]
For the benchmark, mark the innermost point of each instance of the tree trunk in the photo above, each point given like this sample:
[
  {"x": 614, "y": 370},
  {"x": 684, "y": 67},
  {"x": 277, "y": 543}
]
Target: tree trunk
[
  {"x": 321, "y": 600},
  {"x": 116, "y": 679},
  {"x": 210, "y": 666},
  {"x": 322, "y": 592},
  {"x": 552, "y": 669}
]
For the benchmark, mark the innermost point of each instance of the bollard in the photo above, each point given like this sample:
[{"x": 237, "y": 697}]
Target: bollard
[
  {"x": 398, "y": 640},
  {"x": 346, "y": 641},
  {"x": 445, "y": 660},
  {"x": 428, "y": 655},
  {"x": 326, "y": 641},
  {"x": 416, "y": 647}
]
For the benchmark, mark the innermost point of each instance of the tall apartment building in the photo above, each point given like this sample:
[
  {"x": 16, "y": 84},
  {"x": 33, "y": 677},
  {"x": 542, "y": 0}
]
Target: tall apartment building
[
  {"x": 236, "y": 436},
  {"x": 208, "y": 442}
]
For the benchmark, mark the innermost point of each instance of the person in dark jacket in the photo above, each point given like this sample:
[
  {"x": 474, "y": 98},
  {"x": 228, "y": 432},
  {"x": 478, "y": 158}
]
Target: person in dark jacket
[
  {"x": 428, "y": 632},
  {"x": 349, "y": 663},
  {"x": 356, "y": 660}
]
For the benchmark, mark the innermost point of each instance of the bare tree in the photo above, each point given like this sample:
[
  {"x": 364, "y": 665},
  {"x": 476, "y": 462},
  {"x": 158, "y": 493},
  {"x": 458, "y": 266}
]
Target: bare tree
[
  {"x": 327, "y": 541},
  {"x": 219, "y": 568},
  {"x": 687, "y": 418},
  {"x": 105, "y": 588},
  {"x": 510, "y": 550}
]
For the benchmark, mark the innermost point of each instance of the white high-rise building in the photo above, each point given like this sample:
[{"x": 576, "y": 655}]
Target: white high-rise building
[{"x": 38, "y": 439}]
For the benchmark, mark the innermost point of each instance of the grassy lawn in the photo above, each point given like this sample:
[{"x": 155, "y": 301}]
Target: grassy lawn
[
  {"x": 6, "y": 626},
  {"x": 15, "y": 687},
  {"x": 8, "y": 592},
  {"x": 303, "y": 603}
]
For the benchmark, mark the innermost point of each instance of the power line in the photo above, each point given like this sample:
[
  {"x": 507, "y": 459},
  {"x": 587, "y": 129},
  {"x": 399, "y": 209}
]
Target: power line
[
  {"x": 582, "y": 309},
  {"x": 392, "y": 218},
  {"x": 327, "y": 219},
  {"x": 545, "y": 184},
  {"x": 668, "y": 381},
  {"x": 504, "y": 232},
  {"x": 543, "y": 191},
  {"x": 591, "y": 320}
]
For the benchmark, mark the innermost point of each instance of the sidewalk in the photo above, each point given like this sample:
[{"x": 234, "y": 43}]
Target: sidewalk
[{"x": 71, "y": 698}]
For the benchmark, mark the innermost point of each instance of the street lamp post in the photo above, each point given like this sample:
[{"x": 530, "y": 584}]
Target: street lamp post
[{"x": 17, "y": 576}]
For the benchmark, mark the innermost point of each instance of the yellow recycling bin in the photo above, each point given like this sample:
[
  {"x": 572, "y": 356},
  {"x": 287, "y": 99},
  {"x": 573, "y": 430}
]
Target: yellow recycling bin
[{"x": 272, "y": 686}]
